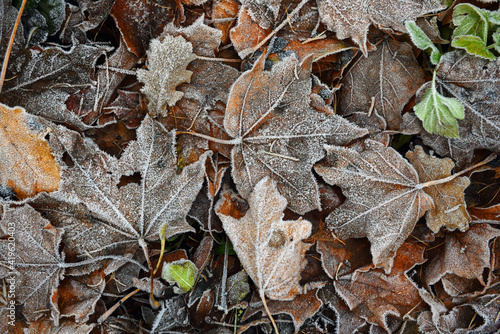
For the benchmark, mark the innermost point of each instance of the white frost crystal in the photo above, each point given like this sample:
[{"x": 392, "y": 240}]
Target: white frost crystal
[{"x": 167, "y": 62}]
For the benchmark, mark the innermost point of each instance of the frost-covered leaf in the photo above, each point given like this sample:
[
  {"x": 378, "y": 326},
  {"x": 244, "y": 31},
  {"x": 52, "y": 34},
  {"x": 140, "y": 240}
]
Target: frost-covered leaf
[
  {"x": 173, "y": 313},
  {"x": 47, "y": 326},
  {"x": 181, "y": 272},
  {"x": 422, "y": 41},
  {"x": 374, "y": 295},
  {"x": 26, "y": 163},
  {"x": 450, "y": 209},
  {"x": 43, "y": 79},
  {"x": 278, "y": 134},
  {"x": 31, "y": 260},
  {"x": 438, "y": 113},
  {"x": 384, "y": 201},
  {"x": 465, "y": 254},
  {"x": 473, "y": 45},
  {"x": 351, "y": 19},
  {"x": 390, "y": 76},
  {"x": 270, "y": 249},
  {"x": 100, "y": 215},
  {"x": 474, "y": 82},
  {"x": 470, "y": 20},
  {"x": 167, "y": 62}
]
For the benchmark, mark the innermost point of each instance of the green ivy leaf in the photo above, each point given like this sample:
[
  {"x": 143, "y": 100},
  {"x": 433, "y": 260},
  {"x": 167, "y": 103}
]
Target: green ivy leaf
[
  {"x": 470, "y": 20},
  {"x": 439, "y": 114},
  {"x": 180, "y": 272},
  {"x": 473, "y": 45},
  {"x": 421, "y": 41}
]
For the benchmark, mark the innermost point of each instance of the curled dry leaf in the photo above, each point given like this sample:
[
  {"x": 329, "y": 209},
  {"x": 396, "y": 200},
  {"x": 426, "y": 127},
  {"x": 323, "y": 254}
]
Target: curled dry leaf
[
  {"x": 26, "y": 162},
  {"x": 465, "y": 254},
  {"x": 351, "y": 19},
  {"x": 383, "y": 202},
  {"x": 278, "y": 134},
  {"x": 270, "y": 249},
  {"x": 224, "y": 14},
  {"x": 450, "y": 209},
  {"x": 383, "y": 82},
  {"x": 373, "y": 295},
  {"x": 475, "y": 83}
]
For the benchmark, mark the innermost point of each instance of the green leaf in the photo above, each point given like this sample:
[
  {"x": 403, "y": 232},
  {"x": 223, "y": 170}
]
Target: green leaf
[
  {"x": 473, "y": 45},
  {"x": 180, "y": 272},
  {"x": 421, "y": 41},
  {"x": 496, "y": 40},
  {"x": 439, "y": 114},
  {"x": 470, "y": 20}
]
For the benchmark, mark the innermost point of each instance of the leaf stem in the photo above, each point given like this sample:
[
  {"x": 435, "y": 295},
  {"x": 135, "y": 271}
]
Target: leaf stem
[
  {"x": 235, "y": 141},
  {"x": 11, "y": 42},
  {"x": 263, "y": 298}
]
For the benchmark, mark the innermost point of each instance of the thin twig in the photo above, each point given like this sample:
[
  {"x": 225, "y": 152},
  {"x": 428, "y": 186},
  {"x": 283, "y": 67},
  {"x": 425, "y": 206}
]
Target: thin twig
[{"x": 11, "y": 42}]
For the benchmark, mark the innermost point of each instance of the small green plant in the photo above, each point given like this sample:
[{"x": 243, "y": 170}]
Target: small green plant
[{"x": 182, "y": 273}]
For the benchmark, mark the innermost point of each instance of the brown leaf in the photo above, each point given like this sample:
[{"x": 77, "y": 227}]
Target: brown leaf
[
  {"x": 351, "y": 19},
  {"x": 67, "y": 326},
  {"x": 318, "y": 49},
  {"x": 489, "y": 213},
  {"x": 465, "y": 254},
  {"x": 247, "y": 33},
  {"x": 384, "y": 201},
  {"x": 383, "y": 82},
  {"x": 449, "y": 203},
  {"x": 37, "y": 265},
  {"x": 26, "y": 162},
  {"x": 222, "y": 12},
  {"x": 474, "y": 82},
  {"x": 270, "y": 249},
  {"x": 373, "y": 295},
  {"x": 278, "y": 134}
]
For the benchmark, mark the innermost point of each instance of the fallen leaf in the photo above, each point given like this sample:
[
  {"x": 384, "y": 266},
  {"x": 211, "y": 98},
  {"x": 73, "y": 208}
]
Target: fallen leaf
[
  {"x": 383, "y": 202},
  {"x": 247, "y": 33},
  {"x": 450, "y": 209},
  {"x": 373, "y": 295},
  {"x": 270, "y": 249},
  {"x": 278, "y": 134},
  {"x": 473, "y": 82},
  {"x": 26, "y": 162},
  {"x": 46, "y": 326},
  {"x": 222, "y": 12},
  {"x": 465, "y": 254},
  {"x": 352, "y": 19},
  {"x": 100, "y": 215},
  {"x": 37, "y": 266},
  {"x": 489, "y": 213},
  {"x": 383, "y": 82},
  {"x": 182, "y": 273}
]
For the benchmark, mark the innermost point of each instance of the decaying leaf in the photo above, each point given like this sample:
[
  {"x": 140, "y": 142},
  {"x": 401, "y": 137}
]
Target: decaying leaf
[
  {"x": 102, "y": 216},
  {"x": 26, "y": 163},
  {"x": 351, "y": 19},
  {"x": 36, "y": 264},
  {"x": 247, "y": 33},
  {"x": 466, "y": 254},
  {"x": 278, "y": 134},
  {"x": 450, "y": 209},
  {"x": 383, "y": 82},
  {"x": 374, "y": 295},
  {"x": 167, "y": 62},
  {"x": 270, "y": 249},
  {"x": 474, "y": 82}
]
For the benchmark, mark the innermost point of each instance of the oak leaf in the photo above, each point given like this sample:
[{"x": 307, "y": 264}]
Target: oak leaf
[
  {"x": 384, "y": 82},
  {"x": 26, "y": 163},
  {"x": 278, "y": 134},
  {"x": 475, "y": 83},
  {"x": 270, "y": 249},
  {"x": 351, "y": 19}
]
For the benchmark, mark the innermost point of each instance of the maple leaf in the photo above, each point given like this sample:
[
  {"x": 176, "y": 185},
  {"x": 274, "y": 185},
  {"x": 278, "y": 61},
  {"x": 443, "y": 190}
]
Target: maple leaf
[
  {"x": 270, "y": 249},
  {"x": 26, "y": 163},
  {"x": 465, "y": 254},
  {"x": 278, "y": 134},
  {"x": 351, "y": 19},
  {"x": 474, "y": 82},
  {"x": 383, "y": 200},
  {"x": 374, "y": 295},
  {"x": 99, "y": 214},
  {"x": 450, "y": 209},
  {"x": 384, "y": 82},
  {"x": 36, "y": 266}
]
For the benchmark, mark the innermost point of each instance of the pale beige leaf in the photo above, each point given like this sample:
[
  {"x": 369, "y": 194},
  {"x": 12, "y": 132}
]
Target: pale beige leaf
[{"x": 270, "y": 249}]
